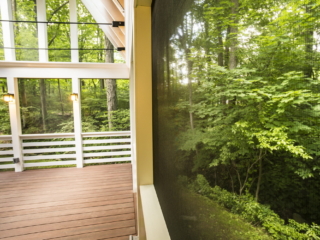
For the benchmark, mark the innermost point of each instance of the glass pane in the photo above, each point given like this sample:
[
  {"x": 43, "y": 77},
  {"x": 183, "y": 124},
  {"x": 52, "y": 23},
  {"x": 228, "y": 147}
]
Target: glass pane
[
  {"x": 45, "y": 106},
  {"x": 90, "y": 37},
  {"x": 105, "y": 105},
  {"x": 1, "y": 41},
  {"x": 58, "y": 33},
  {"x": 25, "y": 33}
]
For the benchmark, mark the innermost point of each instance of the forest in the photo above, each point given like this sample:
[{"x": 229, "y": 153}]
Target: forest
[
  {"x": 45, "y": 104},
  {"x": 239, "y": 87}
]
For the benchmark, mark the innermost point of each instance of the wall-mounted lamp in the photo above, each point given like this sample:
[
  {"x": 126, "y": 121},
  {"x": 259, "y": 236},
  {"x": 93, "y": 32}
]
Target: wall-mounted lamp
[
  {"x": 74, "y": 97},
  {"x": 8, "y": 97}
]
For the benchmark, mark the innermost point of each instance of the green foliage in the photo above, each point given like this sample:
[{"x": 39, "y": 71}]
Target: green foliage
[
  {"x": 242, "y": 116},
  {"x": 94, "y": 110},
  {"x": 256, "y": 213},
  {"x": 25, "y": 33},
  {"x": 215, "y": 222},
  {"x": 90, "y": 37},
  {"x": 58, "y": 109},
  {"x": 5, "y": 128}
]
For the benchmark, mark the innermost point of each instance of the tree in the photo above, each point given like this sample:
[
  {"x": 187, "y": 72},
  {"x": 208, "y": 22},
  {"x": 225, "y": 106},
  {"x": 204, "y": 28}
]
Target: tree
[{"x": 111, "y": 85}]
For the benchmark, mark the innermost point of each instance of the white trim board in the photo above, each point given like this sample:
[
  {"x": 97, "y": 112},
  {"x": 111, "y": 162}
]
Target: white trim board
[
  {"x": 155, "y": 225},
  {"x": 63, "y": 70}
]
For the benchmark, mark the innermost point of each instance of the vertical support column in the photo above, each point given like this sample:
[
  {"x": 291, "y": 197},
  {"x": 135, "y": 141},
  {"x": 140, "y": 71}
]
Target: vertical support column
[
  {"x": 143, "y": 95},
  {"x": 77, "y": 122},
  {"x": 74, "y": 30},
  {"x": 142, "y": 104},
  {"x": 7, "y": 29},
  {"x": 42, "y": 30},
  {"x": 15, "y": 122},
  {"x": 133, "y": 131}
]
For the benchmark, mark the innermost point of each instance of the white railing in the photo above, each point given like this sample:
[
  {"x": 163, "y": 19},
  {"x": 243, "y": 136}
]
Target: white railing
[
  {"x": 58, "y": 149},
  {"x": 6, "y": 152},
  {"x": 48, "y": 149},
  {"x": 102, "y": 147}
]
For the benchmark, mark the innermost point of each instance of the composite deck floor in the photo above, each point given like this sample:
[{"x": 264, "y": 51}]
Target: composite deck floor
[{"x": 94, "y": 202}]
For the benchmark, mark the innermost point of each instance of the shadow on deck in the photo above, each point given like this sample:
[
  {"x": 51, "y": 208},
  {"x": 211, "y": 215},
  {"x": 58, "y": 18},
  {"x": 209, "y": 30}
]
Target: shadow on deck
[{"x": 94, "y": 202}]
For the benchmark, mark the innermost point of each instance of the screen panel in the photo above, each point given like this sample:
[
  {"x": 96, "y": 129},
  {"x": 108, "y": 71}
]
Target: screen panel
[{"x": 235, "y": 100}]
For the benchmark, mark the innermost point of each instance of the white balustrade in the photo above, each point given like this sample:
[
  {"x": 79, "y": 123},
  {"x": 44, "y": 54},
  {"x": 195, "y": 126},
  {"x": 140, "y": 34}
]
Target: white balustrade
[
  {"x": 41, "y": 150},
  {"x": 59, "y": 149},
  {"x": 6, "y": 152},
  {"x": 103, "y": 147}
]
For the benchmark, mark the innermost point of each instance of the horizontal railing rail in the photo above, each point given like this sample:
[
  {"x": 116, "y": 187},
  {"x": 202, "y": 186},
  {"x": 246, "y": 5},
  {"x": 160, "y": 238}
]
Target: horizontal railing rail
[
  {"x": 106, "y": 147},
  {"x": 41, "y": 150},
  {"x": 6, "y": 152}
]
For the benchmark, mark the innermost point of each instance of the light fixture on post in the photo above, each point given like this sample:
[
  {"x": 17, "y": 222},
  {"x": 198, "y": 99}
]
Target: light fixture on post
[
  {"x": 74, "y": 97},
  {"x": 9, "y": 97}
]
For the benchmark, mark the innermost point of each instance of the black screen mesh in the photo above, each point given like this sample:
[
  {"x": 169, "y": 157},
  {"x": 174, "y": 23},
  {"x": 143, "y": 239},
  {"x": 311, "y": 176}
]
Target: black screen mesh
[{"x": 236, "y": 99}]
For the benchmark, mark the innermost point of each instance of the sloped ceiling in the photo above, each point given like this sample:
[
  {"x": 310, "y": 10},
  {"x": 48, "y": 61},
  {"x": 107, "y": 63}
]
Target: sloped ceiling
[{"x": 107, "y": 11}]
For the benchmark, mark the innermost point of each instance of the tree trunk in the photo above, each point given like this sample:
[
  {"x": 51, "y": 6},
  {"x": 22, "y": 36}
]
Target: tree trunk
[
  {"x": 190, "y": 63},
  {"x": 168, "y": 71},
  {"x": 184, "y": 41},
  {"x": 220, "y": 50},
  {"x": 22, "y": 89},
  {"x": 233, "y": 62},
  {"x": 23, "y": 93},
  {"x": 309, "y": 41},
  {"x": 43, "y": 103},
  {"x": 260, "y": 175},
  {"x": 101, "y": 81},
  {"x": 226, "y": 49},
  {"x": 61, "y": 102},
  {"x": 111, "y": 85}
]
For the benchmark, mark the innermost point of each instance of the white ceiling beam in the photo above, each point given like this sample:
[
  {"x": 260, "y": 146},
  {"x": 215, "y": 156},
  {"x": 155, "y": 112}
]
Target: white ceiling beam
[
  {"x": 63, "y": 70},
  {"x": 100, "y": 14},
  {"x": 112, "y": 10},
  {"x": 119, "y": 6},
  {"x": 122, "y": 3}
]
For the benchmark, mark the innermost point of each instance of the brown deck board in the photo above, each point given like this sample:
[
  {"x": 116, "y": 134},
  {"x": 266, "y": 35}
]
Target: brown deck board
[
  {"x": 59, "y": 204},
  {"x": 65, "y": 197},
  {"x": 101, "y": 235},
  {"x": 95, "y": 202},
  {"x": 61, "y": 190},
  {"x": 50, "y": 186},
  {"x": 65, "y": 225},
  {"x": 73, "y": 180}
]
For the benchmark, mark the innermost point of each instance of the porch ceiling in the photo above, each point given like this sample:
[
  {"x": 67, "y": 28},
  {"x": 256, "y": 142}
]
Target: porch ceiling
[{"x": 107, "y": 11}]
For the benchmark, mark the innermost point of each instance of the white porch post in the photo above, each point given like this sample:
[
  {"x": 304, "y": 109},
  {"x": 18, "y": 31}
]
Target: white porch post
[
  {"x": 42, "y": 30},
  {"x": 15, "y": 122},
  {"x": 7, "y": 29},
  {"x": 77, "y": 122},
  {"x": 74, "y": 31}
]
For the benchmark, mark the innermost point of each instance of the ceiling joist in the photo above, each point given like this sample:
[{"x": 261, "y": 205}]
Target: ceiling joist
[{"x": 105, "y": 11}]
